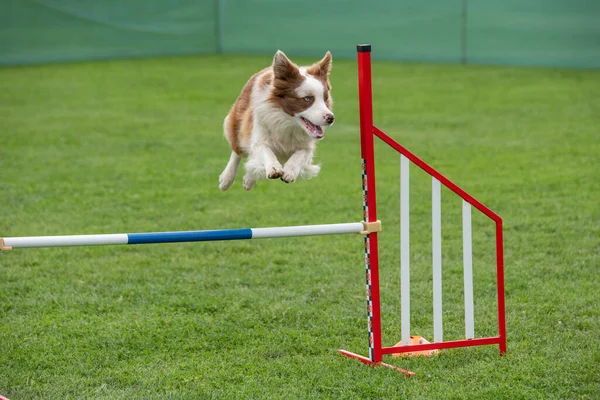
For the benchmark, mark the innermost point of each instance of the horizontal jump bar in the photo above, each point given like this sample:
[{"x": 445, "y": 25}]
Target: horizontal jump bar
[{"x": 187, "y": 236}]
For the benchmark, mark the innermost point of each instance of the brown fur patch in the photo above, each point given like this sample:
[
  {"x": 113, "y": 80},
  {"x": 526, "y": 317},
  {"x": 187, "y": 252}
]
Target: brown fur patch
[
  {"x": 240, "y": 116},
  {"x": 287, "y": 78},
  {"x": 266, "y": 79}
]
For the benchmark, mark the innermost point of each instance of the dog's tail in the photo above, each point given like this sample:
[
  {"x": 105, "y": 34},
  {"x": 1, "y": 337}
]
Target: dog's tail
[{"x": 309, "y": 171}]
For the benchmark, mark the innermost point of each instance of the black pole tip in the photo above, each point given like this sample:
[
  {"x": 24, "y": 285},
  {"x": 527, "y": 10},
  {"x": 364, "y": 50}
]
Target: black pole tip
[{"x": 363, "y": 48}]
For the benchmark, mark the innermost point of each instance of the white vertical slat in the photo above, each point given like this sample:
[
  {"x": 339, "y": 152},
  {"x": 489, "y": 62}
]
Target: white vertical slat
[
  {"x": 436, "y": 244},
  {"x": 468, "y": 271},
  {"x": 404, "y": 250}
]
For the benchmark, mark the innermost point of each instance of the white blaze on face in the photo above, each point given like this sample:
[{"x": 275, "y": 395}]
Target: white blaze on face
[{"x": 312, "y": 87}]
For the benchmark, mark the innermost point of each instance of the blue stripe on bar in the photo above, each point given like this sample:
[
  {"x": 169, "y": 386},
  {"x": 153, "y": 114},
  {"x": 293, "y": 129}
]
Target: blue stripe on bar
[{"x": 189, "y": 236}]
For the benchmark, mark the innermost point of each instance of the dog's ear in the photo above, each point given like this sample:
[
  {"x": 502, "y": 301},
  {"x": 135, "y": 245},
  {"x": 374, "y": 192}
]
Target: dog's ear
[
  {"x": 283, "y": 68},
  {"x": 325, "y": 63},
  {"x": 322, "y": 67}
]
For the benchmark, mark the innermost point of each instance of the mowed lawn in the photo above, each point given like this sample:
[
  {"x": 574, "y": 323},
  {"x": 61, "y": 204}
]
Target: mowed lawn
[{"x": 137, "y": 146}]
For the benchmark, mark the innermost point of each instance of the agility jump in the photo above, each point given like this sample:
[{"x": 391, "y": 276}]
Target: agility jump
[
  {"x": 187, "y": 236},
  {"x": 370, "y": 228}
]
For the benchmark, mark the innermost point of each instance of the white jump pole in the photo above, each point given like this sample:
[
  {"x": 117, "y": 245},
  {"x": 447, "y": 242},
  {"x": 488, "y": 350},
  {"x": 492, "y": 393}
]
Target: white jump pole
[
  {"x": 436, "y": 244},
  {"x": 404, "y": 250},
  {"x": 468, "y": 271},
  {"x": 188, "y": 236}
]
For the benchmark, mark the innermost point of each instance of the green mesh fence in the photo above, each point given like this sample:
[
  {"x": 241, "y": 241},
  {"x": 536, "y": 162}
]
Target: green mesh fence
[
  {"x": 33, "y": 31},
  {"x": 397, "y": 29},
  {"x": 534, "y": 32},
  {"x": 519, "y": 32}
]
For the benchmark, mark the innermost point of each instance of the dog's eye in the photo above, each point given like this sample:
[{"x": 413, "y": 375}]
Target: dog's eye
[{"x": 308, "y": 99}]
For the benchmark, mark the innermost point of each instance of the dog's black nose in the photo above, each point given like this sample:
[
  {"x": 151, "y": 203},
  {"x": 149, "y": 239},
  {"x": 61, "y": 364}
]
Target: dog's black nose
[{"x": 329, "y": 118}]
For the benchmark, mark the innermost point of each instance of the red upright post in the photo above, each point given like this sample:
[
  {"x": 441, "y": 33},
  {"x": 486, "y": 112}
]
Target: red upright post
[
  {"x": 370, "y": 214},
  {"x": 369, "y": 200},
  {"x": 500, "y": 278}
]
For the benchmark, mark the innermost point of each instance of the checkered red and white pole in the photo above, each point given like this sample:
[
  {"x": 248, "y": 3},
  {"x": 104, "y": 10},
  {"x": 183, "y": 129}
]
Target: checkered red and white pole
[
  {"x": 370, "y": 213},
  {"x": 369, "y": 202}
]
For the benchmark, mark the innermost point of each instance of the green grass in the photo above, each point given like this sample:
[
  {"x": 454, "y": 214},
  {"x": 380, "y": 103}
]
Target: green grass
[{"x": 133, "y": 146}]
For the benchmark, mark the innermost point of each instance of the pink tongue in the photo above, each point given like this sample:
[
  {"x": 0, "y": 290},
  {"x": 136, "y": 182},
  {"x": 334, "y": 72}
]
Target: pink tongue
[{"x": 317, "y": 130}]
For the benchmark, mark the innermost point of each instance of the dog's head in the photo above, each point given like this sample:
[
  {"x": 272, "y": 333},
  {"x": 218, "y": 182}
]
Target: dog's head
[{"x": 304, "y": 92}]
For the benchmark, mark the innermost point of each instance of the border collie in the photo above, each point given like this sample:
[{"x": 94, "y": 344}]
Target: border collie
[{"x": 277, "y": 120}]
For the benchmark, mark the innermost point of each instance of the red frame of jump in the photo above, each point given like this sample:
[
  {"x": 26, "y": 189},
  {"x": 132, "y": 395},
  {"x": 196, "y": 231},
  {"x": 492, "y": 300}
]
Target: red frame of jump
[{"x": 367, "y": 132}]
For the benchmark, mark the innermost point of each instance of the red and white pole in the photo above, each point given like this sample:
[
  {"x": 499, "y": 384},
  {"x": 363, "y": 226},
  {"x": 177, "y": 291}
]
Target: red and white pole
[{"x": 369, "y": 200}]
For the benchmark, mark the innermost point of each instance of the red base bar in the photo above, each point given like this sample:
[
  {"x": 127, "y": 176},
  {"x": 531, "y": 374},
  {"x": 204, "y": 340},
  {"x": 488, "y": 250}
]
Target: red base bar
[
  {"x": 365, "y": 360},
  {"x": 441, "y": 345}
]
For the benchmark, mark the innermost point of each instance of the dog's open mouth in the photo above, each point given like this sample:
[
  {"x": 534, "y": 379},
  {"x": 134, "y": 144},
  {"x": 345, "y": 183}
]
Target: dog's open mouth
[{"x": 313, "y": 130}]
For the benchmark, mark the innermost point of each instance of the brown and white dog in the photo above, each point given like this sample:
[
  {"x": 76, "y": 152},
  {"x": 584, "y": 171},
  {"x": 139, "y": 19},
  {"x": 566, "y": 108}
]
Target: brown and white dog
[{"x": 277, "y": 120}]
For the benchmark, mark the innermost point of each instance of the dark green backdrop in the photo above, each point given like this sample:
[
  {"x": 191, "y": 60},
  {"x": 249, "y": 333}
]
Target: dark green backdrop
[{"x": 564, "y": 33}]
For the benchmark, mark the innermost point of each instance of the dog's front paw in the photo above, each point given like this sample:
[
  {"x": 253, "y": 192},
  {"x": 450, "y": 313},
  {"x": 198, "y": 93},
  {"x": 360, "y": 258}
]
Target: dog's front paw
[
  {"x": 225, "y": 181},
  {"x": 248, "y": 182},
  {"x": 289, "y": 175},
  {"x": 274, "y": 172}
]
